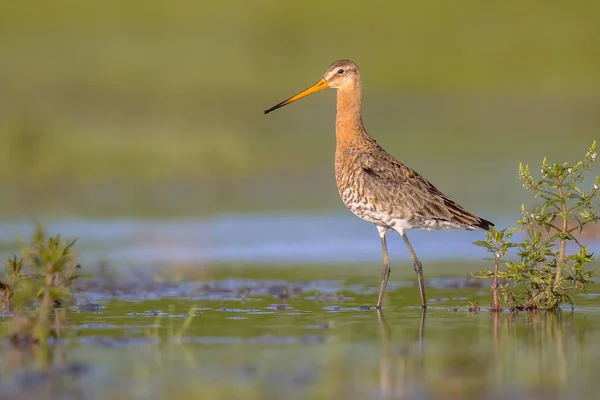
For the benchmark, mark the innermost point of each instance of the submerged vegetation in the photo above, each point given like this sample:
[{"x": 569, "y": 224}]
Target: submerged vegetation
[
  {"x": 548, "y": 270},
  {"x": 37, "y": 286}
]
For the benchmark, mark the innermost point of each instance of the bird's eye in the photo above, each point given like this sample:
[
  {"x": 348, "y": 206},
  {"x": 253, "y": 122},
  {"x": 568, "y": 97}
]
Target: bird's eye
[{"x": 340, "y": 71}]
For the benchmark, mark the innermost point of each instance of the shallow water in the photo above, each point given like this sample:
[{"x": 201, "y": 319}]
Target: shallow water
[
  {"x": 270, "y": 339},
  {"x": 245, "y": 238},
  {"x": 262, "y": 307}
]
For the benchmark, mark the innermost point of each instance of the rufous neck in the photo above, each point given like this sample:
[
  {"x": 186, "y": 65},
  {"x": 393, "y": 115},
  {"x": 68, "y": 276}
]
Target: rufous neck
[{"x": 348, "y": 122}]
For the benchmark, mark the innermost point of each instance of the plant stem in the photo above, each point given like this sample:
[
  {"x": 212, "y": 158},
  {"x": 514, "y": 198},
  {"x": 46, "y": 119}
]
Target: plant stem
[
  {"x": 45, "y": 309},
  {"x": 563, "y": 241},
  {"x": 495, "y": 282}
]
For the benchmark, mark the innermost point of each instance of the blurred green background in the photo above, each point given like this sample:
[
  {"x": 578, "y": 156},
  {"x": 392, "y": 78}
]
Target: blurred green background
[{"x": 154, "y": 108}]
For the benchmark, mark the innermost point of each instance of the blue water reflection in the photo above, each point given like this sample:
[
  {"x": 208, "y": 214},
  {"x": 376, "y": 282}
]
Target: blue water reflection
[{"x": 247, "y": 238}]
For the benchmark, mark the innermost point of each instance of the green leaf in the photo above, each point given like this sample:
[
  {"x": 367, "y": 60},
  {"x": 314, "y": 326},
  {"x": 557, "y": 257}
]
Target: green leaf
[
  {"x": 498, "y": 234},
  {"x": 482, "y": 243}
]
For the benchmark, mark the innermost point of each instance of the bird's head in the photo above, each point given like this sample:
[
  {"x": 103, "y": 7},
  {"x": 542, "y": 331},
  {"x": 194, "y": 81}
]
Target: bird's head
[{"x": 340, "y": 74}]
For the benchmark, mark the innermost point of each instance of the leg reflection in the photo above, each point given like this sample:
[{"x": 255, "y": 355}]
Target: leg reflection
[{"x": 400, "y": 367}]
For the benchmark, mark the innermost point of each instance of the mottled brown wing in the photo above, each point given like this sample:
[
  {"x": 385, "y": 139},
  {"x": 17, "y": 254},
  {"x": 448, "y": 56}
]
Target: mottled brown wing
[{"x": 408, "y": 195}]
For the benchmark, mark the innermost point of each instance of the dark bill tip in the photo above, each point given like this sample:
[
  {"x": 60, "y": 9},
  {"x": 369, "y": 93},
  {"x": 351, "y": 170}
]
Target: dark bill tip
[
  {"x": 275, "y": 107},
  {"x": 322, "y": 84}
]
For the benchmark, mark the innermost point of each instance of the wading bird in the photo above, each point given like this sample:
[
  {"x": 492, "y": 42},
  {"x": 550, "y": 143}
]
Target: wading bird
[{"x": 374, "y": 185}]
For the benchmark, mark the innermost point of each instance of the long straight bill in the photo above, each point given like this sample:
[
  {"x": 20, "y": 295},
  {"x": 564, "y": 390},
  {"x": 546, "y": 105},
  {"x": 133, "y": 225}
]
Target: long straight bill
[{"x": 322, "y": 84}]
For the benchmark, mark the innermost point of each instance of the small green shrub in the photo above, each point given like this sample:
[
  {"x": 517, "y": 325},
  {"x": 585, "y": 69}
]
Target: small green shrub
[
  {"x": 40, "y": 281},
  {"x": 546, "y": 271}
]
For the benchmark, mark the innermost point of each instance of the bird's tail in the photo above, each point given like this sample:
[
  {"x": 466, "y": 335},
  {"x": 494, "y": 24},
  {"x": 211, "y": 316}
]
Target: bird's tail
[{"x": 484, "y": 224}]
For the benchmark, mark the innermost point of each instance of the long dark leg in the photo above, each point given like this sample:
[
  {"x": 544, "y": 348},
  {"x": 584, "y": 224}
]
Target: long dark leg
[
  {"x": 418, "y": 269},
  {"x": 385, "y": 272}
]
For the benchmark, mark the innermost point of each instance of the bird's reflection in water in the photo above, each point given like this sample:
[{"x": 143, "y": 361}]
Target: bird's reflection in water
[{"x": 400, "y": 367}]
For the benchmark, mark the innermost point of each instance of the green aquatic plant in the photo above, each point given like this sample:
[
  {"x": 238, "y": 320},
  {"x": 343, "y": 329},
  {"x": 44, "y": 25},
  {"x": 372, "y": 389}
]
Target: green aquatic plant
[
  {"x": 498, "y": 243},
  {"x": 40, "y": 280},
  {"x": 474, "y": 307},
  {"x": 173, "y": 333},
  {"x": 547, "y": 270},
  {"x": 13, "y": 273}
]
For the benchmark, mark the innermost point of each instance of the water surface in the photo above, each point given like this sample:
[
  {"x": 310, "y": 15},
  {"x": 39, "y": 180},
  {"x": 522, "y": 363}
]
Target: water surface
[
  {"x": 281, "y": 306},
  {"x": 310, "y": 339},
  {"x": 284, "y": 238}
]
